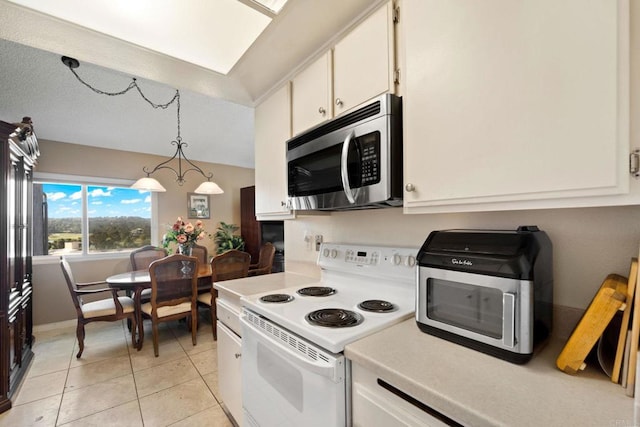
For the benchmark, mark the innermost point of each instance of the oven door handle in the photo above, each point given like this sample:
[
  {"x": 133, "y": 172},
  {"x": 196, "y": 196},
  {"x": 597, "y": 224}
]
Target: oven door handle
[
  {"x": 344, "y": 171},
  {"x": 325, "y": 369}
]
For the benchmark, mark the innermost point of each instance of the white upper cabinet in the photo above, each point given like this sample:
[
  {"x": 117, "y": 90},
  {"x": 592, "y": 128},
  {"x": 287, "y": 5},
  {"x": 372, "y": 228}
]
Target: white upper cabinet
[
  {"x": 362, "y": 67},
  {"x": 364, "y": 61},
  {"x": 515, "y": 104},
  {"x": 311, "y": 95},
  {"x": 272, "y": 130}
]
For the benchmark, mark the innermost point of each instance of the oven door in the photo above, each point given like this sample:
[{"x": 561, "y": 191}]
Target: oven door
[
  {"x": 287, "y": 381},
  {"x": 492, "y": 310},
  {"x": 344, "y": 168}
]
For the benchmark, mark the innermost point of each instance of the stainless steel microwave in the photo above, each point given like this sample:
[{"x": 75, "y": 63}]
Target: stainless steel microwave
[
  {"x": 488, "y": 290},
  {"x": 351, "y": 162}
]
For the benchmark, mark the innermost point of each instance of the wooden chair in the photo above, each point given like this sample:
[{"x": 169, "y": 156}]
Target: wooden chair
[
  {"x": 173, "y": 294},
  {"x": 104, "y": 310},
  {"x": 201, "y": 253},
  {"x": 142, "y": 257},
  {"x": 265, "y": 260},
  {"x": 233, "y": 264}
]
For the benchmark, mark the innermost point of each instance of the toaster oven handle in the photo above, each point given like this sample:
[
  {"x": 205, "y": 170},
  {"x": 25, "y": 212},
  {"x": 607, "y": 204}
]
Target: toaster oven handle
[
  {"x": 508, "y": 319},
  {"x": 344, "y": 172}
]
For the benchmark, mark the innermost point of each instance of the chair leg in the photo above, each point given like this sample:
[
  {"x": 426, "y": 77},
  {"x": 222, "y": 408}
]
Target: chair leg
[
  {"x": 194, "y": 325},
  {"x": 132, "y": 322},
  {"x": 154, "y": 327},
  {"x": 80, "y": 336}
]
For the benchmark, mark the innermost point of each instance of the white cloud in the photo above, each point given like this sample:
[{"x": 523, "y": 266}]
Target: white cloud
[
  {"x": 76, "y": 196},
  {"x": 56, "y": 196},
  {"x": 130, "y": 201},
  {"x": 96, "y": 202},
  {"x": 99, "y": 192},
  {"x": 147, "y": 199}
]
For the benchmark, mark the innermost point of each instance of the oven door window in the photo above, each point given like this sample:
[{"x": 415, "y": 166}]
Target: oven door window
[
  {"x": 474, "y": 308},
  {"x": 319, "y": 172}
]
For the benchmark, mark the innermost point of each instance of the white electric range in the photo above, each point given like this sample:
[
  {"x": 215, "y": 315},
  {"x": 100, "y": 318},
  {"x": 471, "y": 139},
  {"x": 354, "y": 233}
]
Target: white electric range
[{"x": 294, "y": 372}]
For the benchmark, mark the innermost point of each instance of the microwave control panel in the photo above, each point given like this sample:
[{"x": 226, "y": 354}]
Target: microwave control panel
[{"x": 370, "y": 158}]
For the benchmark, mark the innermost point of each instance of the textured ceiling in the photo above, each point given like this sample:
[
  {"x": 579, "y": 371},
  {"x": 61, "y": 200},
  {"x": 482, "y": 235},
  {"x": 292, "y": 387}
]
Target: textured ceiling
[
  {"x": 216, "y": 110},
  {"x": 36, "y": 83}
]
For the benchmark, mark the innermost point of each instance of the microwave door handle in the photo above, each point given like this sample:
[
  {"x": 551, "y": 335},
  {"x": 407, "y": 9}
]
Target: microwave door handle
[
  {"x": 343, "y": 167},
  {"x": 508, "y": 319}
]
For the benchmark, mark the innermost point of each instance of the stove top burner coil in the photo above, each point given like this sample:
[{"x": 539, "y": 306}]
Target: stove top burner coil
[
  {"x": 376, "y": 305},
  {"x": 334, "y": 318},
  {"x": 316, "y": 291},
  {"x": 277, "y": 298}
]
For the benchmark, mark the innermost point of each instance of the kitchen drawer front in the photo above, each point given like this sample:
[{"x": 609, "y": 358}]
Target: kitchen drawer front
[{"x": 229, "y": 316}]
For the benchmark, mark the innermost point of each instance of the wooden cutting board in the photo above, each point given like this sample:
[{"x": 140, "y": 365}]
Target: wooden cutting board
[
  {"x": 610, "y": 298},
  {"x": 624, "y": 327},
  {"x": 634, "y": 337}
]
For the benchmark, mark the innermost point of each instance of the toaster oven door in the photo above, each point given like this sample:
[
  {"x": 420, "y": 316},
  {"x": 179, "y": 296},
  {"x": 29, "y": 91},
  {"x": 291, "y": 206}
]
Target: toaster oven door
[{"x": 488, "y": 309}]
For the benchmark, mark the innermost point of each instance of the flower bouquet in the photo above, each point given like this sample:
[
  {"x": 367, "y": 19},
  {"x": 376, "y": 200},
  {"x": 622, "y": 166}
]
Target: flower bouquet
[{"x": 185, "y": 235}]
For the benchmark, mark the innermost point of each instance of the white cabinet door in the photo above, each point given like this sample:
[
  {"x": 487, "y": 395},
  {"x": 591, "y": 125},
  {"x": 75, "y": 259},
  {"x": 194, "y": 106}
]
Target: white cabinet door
[
  {"x": 364, "y": 61},
  {"x": 272, "y": 130},
  {"x": 375, "y": 406},
  {"x": 230, "y": 371},
  {"x": 311, "y": 95},
  {"x": 514, "y": 101}
]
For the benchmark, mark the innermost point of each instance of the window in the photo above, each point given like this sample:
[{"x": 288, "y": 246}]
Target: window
[{"x": 110, "y": 217}]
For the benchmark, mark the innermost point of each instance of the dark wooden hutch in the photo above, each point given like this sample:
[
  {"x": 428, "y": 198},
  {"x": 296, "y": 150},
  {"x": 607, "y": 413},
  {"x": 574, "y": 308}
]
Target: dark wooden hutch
[
  {"x": 255, "y": 232},
  {"x": 18, "y": 154}
]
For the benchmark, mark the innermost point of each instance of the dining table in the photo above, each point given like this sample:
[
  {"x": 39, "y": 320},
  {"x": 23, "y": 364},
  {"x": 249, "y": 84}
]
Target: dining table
[{"x": 134, "y": 282}]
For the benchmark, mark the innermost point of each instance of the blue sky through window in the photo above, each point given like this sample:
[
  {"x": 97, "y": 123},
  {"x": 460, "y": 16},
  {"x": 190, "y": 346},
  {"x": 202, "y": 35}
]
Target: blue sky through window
[{"x": 65, "y": 201}]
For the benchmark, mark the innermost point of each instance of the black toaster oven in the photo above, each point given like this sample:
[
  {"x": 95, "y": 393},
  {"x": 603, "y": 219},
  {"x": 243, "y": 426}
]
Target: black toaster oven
[{"x": 490, "y": 290}]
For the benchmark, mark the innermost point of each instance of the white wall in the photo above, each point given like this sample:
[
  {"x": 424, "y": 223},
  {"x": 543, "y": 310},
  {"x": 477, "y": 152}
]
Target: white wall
[{"x": 588, "y": 243}]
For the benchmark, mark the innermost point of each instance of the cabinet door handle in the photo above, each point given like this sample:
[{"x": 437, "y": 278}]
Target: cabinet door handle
[
  {"x": 339, "y": 102},
  {"x": 410, "y": 187},
  {"x": 238, "y": 355},
  {"x": 322, "y": 111}
]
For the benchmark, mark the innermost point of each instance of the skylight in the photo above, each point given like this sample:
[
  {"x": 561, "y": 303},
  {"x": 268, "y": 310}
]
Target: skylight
[{"x": 213, "y": 34}]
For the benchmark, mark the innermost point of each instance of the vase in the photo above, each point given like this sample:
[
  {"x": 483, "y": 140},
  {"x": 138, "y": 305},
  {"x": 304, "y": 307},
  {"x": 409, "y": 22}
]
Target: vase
[{"x": 185, "y": 249}]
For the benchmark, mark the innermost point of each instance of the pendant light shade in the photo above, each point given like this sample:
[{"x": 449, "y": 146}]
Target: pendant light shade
[
  {"x": 208, "y": 187},
  {"x": 148, "y": 184}
]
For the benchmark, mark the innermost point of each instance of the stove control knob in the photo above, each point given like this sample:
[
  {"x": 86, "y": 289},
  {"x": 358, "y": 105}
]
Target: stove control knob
[
  {"x": 396, "y": 260},
  {"x": 410, "y": 261},
  {"x": 325, "y": 252},
  {"x": 334, "y": 253}
]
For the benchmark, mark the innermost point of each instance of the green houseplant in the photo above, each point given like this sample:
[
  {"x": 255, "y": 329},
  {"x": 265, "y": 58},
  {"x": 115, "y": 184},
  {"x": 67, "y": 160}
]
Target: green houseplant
[{"x": 225, "y": 239}]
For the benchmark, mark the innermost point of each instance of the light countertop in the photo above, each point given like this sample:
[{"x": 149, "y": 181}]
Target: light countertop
[
  {"x": 481, "y": 390},
  {"x": 268, "y": 282}
]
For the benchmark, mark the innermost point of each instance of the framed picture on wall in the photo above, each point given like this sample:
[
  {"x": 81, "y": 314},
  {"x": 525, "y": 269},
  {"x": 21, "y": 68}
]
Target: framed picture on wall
[{"x": 198, "y": 206}]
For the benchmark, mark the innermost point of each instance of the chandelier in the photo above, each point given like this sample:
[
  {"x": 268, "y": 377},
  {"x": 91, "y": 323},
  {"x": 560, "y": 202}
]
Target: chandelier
[{"x": 147, "y": 183}]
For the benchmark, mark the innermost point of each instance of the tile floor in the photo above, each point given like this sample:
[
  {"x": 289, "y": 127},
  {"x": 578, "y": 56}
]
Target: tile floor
[{"x": 113, "y": 384}]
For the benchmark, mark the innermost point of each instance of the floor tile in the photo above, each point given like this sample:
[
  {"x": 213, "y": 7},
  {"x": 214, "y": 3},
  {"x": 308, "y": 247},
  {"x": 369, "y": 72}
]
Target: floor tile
[
  {"x": 36, "y": 388},
  {"x": 97, "y": 372},
  {"x": 40, "y": 413},
  {"x": 213, "y": 417},
  {"x": 212, "y": 382},
  {"x": 161, "y": 377},
  {"x": 96, "y": 398},
  {"x": 177, "y": 403},
  {"x": 114, "y": 384},
  {"x": 169, "y": 349},
  {"x": 127, "y": 415},
  {"x": 205, "y": 362}
]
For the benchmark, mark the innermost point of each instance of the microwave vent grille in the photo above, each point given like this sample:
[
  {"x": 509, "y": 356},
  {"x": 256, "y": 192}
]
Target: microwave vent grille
[{"x": 338, "y": 123}]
